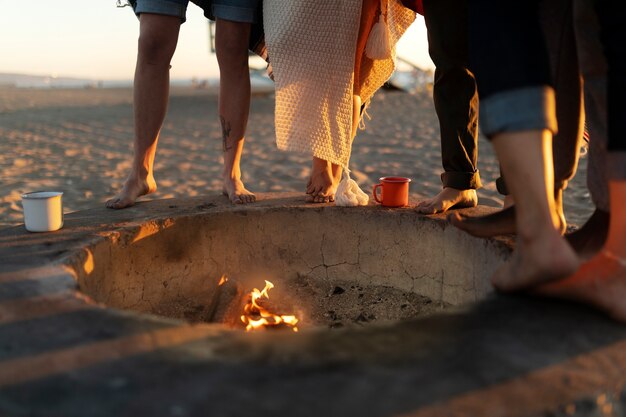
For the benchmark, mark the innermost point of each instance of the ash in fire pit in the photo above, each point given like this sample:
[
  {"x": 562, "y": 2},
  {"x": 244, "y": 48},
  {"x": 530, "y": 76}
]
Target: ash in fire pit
[
  {"x": 314, "y": 303},
  {"x": 344, "y": 303}
]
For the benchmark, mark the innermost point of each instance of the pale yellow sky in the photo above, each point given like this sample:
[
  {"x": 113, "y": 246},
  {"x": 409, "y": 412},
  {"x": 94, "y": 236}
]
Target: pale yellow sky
[{"x": 96, "y": 40}]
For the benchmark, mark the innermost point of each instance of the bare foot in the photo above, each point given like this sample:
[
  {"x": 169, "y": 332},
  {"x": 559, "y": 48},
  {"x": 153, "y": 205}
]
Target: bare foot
[
  {"x": 132, "y": 190},
  {"x": 323, "y": 181},
  {"x": 588, "y": 240},
  {"x": 447, "y": 199},
  {"x": 236, "y": 191},
  {"x": 600, "y": 282},
  {"x": 536, "y": 260},
  {"x": 499, "y": 223}
]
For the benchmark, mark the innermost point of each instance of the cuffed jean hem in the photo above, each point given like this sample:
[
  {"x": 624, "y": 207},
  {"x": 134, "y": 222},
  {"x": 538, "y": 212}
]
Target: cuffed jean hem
[
  {"x": 529, "y": 108},
  {"x": 616, "y": 165},
  {"x": 461, "y": 180},
  {"x": 168, "y": 8},
  {"x": 234, "y": 13}
]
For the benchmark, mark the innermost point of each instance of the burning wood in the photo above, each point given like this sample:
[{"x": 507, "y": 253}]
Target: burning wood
[
  {"x": 227, "y": 303},
  {"x": 257, "y": 317}
]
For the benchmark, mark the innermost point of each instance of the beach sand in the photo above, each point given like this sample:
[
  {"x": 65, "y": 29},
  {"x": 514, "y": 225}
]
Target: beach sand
[{"x": 79, "y": 141}]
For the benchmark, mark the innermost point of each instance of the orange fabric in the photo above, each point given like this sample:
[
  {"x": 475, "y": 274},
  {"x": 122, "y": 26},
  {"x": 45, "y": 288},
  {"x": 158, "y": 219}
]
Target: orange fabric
[{"x": 362, "y": 64}]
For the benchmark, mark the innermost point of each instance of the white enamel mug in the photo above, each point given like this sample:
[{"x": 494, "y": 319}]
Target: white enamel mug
[{"x": 43, "y": 211}]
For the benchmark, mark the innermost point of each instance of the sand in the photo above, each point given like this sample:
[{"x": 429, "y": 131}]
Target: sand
[{"x": 79, "y": 141}]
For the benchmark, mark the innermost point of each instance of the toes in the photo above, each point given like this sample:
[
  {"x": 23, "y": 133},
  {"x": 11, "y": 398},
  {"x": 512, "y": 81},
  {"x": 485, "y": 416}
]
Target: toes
[
  {"x": 248, "y": 198},
  {"x": 320, "y": 198},
  {"x": 309, "y": 198},
  {"x": 116, "y": 203},
  {"x": 426, "y": 209}
]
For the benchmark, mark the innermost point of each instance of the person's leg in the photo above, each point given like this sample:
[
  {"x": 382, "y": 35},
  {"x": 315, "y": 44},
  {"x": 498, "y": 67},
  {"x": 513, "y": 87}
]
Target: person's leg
[
  {"x": 231, "y": 47},
  {"x": 601, "y": 281},
  {"x": 557, "y": 22},
  {"x": 588, "y": 240},
  {"x": 541, "y": 254},
  {"x": 323, "y": 181},
  {"x": 325, "y": 177},
  {"x": 157, "y": 42},
  {"x": 557, "y": 18},
  {"x": 518, "y": 114},
  {"x": 456, "y": 103}
]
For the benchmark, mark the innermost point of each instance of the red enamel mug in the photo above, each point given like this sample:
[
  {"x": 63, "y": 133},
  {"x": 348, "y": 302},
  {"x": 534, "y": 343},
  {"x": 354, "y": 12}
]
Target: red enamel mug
[{"x": 394, "y": 191}]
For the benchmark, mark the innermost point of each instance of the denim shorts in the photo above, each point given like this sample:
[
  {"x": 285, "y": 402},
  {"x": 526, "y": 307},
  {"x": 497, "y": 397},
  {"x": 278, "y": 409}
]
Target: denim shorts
[
  {"x": 235, "y": 10},
  {"x": 177, "y": 8}
]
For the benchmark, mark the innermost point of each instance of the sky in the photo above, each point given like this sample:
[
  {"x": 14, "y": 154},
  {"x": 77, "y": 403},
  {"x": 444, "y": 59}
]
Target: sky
[{"x": 96, "y": 40}]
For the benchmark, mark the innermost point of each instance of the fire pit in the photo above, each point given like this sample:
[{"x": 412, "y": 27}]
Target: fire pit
[
  {"x": 166, "y": 339},
  {"x": 330, "y": 267}
]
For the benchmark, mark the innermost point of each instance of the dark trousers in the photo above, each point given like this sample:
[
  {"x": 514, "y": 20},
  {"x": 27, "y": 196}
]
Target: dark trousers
[
  {"x": 455, "y": 95},
  {"x": 556, "y": 20},
  {"x": 611, "y": 15}
]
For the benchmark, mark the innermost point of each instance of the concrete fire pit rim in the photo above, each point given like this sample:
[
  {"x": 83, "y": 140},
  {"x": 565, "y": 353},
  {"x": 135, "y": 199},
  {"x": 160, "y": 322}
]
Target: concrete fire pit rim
[{"x": 84, "y": 230}]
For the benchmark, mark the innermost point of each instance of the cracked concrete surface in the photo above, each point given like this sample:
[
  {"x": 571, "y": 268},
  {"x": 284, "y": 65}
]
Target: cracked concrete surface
[
  {"x": 184, "y": 257},
  {"x": 67, "y": 348}
]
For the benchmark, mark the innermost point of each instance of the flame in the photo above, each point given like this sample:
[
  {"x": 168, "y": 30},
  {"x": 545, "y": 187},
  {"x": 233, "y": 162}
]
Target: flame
[
  {"x": 257, "y": 317},
  {"x": 222, "y": 280}
]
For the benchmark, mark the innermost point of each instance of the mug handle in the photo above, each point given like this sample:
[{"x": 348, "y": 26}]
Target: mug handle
[{"x": 376, "y": 194}]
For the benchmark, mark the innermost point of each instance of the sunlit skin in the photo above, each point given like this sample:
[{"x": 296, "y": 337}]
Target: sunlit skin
[
  {"x": 325, "y": 177},
  {"x": 158, "y": 35},
  {"x": 541, "y": 254},
  {"x": 323, "y": 182},
  {"x": 502, "y": 222},
  {"x": 447, "y": 199},
  {"x": 231, "y": 47},
  {"x": 157, "y": 43},
  {"x": 601, "y": 281}
]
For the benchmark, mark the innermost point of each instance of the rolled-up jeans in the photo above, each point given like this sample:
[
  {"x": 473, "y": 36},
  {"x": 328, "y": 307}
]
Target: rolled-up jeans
[{"x": 556, "y": 20}]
